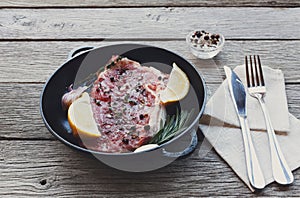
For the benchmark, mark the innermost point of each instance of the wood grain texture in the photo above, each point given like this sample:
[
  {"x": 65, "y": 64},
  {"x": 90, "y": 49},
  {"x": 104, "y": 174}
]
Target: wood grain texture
[
  {"x": 48, "y": 168},
  {"x": 20, "y": 119},
  {"x": 149, "y": 23},
  {"x": 35, "y": 37},
  {"x": 143, "y": 3},
  {"x": 36, "y": 61},
  {"x": 20, "y": 115}
]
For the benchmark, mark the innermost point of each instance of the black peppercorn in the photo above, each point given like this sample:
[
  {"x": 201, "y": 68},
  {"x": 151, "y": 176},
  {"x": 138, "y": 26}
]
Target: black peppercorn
[
  {"x": 107, "y": 132},
  {"x": 143, "y": 91},
  {"x": 98, "y": 103},
  {"x": 141, "y": 116},
  {"x": 122, "y": 71},
  {"x": 206, "y": 37},
  {"x": 132, "y": 103},
  {"x": 125, "y": 141},
  {"x": 198, "y": 34}
]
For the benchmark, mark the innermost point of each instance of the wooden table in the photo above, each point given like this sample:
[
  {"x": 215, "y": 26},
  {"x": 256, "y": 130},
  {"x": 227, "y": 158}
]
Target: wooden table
[{"x": 35, "y": 38}]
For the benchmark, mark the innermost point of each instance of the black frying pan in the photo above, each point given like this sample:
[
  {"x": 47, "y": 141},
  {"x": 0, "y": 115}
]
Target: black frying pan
[{"x": 86, "y": 61}]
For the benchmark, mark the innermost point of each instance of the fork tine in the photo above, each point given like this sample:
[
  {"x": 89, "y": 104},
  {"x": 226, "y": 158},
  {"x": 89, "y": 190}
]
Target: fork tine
[
  {"x": 256, "y": 71},
  {"x": 247, "y": 72},
  {"x": 261, "y": 72},
  {"x": 252, "y": 73}
]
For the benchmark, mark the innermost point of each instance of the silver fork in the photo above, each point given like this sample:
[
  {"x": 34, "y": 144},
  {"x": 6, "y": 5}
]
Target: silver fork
[{"x": 256, "y": 88}]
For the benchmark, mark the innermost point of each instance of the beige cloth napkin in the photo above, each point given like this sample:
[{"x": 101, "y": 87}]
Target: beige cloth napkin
[
  {"x": 221, "y": 107},
  {"x": 226, "y": 136}
]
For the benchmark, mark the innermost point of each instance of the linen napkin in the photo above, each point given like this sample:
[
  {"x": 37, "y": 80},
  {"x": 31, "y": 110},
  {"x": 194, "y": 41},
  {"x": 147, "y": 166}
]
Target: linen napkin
[
  {"x": 220, "y": 126},
  {"x": 221, "y": 107}
]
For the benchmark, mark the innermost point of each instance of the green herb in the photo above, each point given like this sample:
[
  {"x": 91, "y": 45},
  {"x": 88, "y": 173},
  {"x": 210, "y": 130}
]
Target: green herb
[
  {"x": 147, "y": 127},
  {"x": 113, "y": 62},
  {"x": 174, "y": 125},
  {"x": 126, "y": 98}
]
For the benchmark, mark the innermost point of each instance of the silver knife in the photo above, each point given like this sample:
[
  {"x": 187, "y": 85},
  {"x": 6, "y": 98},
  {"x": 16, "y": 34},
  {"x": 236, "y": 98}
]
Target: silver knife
[{"x": 238, "y": 95}]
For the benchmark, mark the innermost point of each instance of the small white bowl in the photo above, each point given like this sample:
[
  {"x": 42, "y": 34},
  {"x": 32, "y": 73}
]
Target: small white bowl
[{"x": 202, "y": 48}]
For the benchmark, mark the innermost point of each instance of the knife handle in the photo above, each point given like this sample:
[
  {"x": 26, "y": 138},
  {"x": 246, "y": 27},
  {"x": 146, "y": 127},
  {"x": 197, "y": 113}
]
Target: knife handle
[{"x": 255, "y": 174}]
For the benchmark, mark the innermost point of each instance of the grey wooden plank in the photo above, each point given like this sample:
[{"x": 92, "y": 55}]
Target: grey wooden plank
[
  {"x": 48, "y": 168},
  {"x": 150, "y": 23},
  {"x": 36, "y": 61},
  {"x": 20, "y": 116},
  {"x": 132, "y": 3}
]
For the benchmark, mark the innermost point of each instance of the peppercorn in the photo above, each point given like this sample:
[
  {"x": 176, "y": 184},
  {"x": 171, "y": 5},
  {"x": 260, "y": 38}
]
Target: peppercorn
[
  {"x": 143, "y": 91},
  {"x": 132, "y": 103},
  {"x": 141, "y": 116},
  {"x": 122, "y": 71},
  {"x": 214, "y": 42},
  {"x": 125, "y": 141},
  {"x": 206, "y": 37},
  {"x": 198, "y": 34},
  {"x": 107, "y": 132}
]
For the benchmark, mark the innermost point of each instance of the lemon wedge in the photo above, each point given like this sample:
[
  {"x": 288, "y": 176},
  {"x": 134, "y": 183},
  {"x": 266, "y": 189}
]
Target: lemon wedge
[
  {"x": 177, "y": 87},
  {"x": 81, "y": 119}
]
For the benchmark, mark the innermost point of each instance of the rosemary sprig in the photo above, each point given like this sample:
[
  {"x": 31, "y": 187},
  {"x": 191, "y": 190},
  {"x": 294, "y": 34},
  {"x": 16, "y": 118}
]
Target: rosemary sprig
[{"x": 174, "y": 125}]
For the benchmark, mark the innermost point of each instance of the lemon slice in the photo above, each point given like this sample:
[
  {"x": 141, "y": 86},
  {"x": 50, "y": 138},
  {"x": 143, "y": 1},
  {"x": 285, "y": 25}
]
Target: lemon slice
[
  {"x": 81, "y": 119},
  {"x": 177, "y": 87}
]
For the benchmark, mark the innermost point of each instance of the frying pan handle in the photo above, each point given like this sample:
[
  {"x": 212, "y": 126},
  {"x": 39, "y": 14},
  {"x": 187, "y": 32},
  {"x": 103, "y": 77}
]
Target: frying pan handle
[
  {"x": 79, "y": 50},
  {"x": 188, "y": 150}
]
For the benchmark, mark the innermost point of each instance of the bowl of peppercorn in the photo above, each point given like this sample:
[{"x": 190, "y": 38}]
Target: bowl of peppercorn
[{"x": 205, "y": 45}]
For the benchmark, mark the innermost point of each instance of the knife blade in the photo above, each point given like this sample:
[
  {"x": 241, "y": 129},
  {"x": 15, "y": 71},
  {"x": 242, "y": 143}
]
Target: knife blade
[{"x": 238, "y": 96}]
